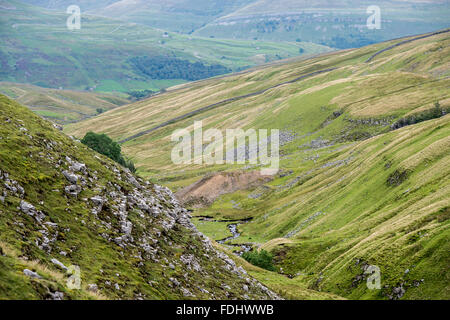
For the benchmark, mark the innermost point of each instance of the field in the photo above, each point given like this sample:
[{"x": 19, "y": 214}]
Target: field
[
  {"x": 175, "y": 15},
  {"x": 338, "y": 24},
  {"x": 351, "y": 191},
  {"x": 62, "y": 106},
  {"x": 37, "y": 48}
]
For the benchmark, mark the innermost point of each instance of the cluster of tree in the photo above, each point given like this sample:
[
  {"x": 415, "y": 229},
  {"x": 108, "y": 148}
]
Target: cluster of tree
[
  {"x": 106, "y": 146},
  {"x": 140, "y": 94},
  {"x": 162, "y": 67},
  {"x": 436, "y": 112},
  {"x": 261, "y": 258},
  {"x": 267, "y": 26},
  {"x": 347, "y": 42}
]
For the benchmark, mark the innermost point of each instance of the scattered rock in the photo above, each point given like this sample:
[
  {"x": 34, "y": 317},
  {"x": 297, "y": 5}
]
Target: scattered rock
[
  {"x": 71, "y": 177},
  {"x": 133, "y": 181},
  {"x": 31, "y": 274},
  {"x": 174, "y": 281},
  {"x": 398, "y": 292},
  {"x": 56, "y": 295},
  {"x": 204, "y": 290},
  {"x": 92, "y": 287},
  {"x": 78, "y": 167},
  {"x": 59, "y": 264},
  {"x": 186, "y": 292},
  {"x": 126, "y": 227},
  {"x": 191, "y": 262},
  {"x": 57, "y": 127},
  {"x": 98, "y": 201},
  {"x": 27, "y": 208},
  {"x": 73, "y": 190}
]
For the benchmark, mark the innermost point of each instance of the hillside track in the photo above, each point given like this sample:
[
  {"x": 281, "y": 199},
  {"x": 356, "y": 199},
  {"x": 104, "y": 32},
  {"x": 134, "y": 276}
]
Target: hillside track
[
  {"x": 256, "y": 93},
  {"x": 405, "y": 42},
  {"x": 221, "y": 103}
]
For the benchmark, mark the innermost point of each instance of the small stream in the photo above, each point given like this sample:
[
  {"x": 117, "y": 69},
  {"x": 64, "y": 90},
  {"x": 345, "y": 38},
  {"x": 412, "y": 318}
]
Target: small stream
[
  {"x": 234, "y": 231},
  {"x": 235, "y": 234},
  {"x": 233, "y": 227}
]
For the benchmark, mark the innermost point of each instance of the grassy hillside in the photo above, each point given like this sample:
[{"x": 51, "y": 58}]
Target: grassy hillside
[
  {"x": 37, "y": 48},
  {"x": 62, "y": 205},
  {"x": 175, "y": 15},
  {"x": 339, "y": 24},
  {"x": 352, "y": 191},
  {"x": 61, "y": 106}
]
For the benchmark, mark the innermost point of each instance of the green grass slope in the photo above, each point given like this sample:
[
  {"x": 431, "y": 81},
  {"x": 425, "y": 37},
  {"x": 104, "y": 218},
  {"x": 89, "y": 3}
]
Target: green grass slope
[
  {"x": 61, "y": 106},
  {"x": 175, "y": 15},
  {"x": 37, "y": 48},
  {"x": 383, "y": 202},
  {"x": 351, "y": 191},
  {"x": 407, "y": 79},
  {"x": 339, "y": 24},
  {"x": 63, "y": 205}
]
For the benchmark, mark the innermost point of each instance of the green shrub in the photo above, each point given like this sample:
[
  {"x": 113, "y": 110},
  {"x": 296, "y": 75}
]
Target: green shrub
[
  {"x": 106, "y": 146},
  {"x": 436, "y": 112},
  {"x": 127, "y": 163},
  {"x": 162, "y": 67},
  {"x": 140, "y": 94},
  {"x": 397, "y": 177},
  {"x": 262, "y": 259}
]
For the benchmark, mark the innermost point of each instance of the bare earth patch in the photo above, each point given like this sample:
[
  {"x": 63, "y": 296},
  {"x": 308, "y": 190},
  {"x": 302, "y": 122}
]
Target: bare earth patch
[{"x": 205, "y": 191}]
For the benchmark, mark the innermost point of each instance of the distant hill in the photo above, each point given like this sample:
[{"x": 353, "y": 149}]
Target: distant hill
[
  {"x": 37, "y": 48},
  {"x": 182, "y": 16},
  {"x": 338, "y": 24}
]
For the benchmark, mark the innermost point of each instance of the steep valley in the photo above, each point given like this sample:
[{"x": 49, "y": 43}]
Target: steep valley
[
  {"x": 363, "y": 180},
  {"x": 75, "y": 225}
]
